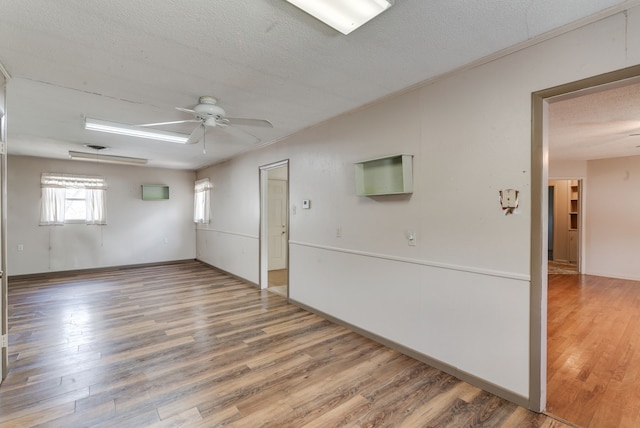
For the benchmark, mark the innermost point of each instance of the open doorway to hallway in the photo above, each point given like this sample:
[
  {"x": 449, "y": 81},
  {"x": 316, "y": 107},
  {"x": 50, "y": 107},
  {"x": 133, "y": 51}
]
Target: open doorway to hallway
[
  {"x": 274, "y": 259},
  {"x": 587, "y": 358}
]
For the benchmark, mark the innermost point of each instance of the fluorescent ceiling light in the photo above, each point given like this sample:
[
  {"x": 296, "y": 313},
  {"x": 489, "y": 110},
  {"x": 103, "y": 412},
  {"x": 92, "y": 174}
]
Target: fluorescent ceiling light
[
  {"x": 97, "y": 157},
  {"x": 134, "y": 131},
  {"x": 343, "y": 15}
]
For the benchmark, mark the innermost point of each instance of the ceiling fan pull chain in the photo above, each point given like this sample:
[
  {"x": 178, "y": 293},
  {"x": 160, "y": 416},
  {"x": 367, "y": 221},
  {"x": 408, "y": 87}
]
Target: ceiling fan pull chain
[{"x": 204, "y": 141}]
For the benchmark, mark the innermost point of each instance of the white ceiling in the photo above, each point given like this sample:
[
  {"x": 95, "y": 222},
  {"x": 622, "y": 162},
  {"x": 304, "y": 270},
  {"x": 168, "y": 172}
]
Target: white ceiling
[
  {"x": 596, "y": 125},
  {"x": 134, "y": 61}
]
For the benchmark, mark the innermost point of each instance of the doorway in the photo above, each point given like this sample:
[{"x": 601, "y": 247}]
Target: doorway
[
  {"x": 274, "y": 228},
  {"x": 564, "y": 226},
  {"x": 540, "y": 218}
]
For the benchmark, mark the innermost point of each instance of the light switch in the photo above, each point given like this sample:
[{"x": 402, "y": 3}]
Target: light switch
[
  {"x": 411, "y": 239},
  {"x": 306, "y": 204}
]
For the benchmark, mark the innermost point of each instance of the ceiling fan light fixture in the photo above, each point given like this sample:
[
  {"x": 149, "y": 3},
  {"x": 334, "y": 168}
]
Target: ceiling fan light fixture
[
  {"x": 106, "y": 158},
  {"x": 343, "y": 15},
  {"x": 134, "y": 131}
]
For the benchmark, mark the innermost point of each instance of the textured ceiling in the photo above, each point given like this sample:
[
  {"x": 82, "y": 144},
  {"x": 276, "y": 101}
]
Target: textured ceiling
[
  {"x": 601, "y": 124},
  {"x": 135, "y": 61}
]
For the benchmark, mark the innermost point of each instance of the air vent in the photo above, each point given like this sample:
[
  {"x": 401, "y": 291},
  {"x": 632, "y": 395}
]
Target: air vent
[{"x": 95, "y": 147}]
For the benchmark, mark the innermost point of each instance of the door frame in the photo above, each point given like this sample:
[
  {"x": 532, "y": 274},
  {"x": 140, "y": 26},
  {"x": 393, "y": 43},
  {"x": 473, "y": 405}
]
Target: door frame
[
  {"x": 263, "y": 264},
  {"x": 4, "y": 280},
  {"x": 539, "y": 222}
]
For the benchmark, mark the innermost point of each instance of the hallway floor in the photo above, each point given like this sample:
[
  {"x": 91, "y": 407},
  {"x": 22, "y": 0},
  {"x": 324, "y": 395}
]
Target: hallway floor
[{"x": 593, "y": 356}]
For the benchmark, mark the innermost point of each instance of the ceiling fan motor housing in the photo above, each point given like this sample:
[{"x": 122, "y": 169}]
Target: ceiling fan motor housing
[{"x": 207, "y": 108}]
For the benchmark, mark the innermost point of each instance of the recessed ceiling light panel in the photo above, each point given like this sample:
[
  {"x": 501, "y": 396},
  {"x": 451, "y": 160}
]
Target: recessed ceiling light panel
[
  {"x": 134, "y": 131},
  {"x": 343, "y": 15}
]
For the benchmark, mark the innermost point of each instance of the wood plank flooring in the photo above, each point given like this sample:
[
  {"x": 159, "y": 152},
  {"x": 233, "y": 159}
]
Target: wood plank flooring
[
  {"x": 185, "y": 345},
  {"x": 277, "y": 282},
  {"x": 277, "y": 277},
  {"x": 593, "y": 356}
]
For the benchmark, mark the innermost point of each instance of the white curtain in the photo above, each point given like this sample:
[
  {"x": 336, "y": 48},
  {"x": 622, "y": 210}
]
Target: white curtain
[
  {"x": 202, "y": 201},
  {"x": 53, "y": 197},
  {"x": 96, "y": 203},
  {"x": 52, "y": 207}
]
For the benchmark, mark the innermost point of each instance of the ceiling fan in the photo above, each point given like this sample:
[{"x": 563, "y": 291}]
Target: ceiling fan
[{"x": 209, "y": 114}]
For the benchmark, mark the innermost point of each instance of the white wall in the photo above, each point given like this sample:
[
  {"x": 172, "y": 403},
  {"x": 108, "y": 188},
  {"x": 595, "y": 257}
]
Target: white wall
[
  {"x": 137, "y": 231},
  {"x": 567, "y": 169},
  {"x": 230, "y": 240},
  {"x": 462, "y": 294},
  {"x": 613, "y": 208}
]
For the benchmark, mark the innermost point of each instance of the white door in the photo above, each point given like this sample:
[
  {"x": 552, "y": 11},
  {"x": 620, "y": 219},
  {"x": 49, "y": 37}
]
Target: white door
[{"x": 277, "y": 224}]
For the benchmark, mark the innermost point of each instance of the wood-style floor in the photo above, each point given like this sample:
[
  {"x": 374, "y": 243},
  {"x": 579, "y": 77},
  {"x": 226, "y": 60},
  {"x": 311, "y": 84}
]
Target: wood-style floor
[
  {"x": 594, "y": 350},
  {"x": 186, "y": 345},
  {"x": 277, "y": 281},
  {"x": 277, "y": 277}
]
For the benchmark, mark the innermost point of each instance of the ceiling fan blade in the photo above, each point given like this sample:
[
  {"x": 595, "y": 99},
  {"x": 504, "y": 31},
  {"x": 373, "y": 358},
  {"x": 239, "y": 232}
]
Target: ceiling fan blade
[
  {"x": 196, "y": 135},
  {"x": 240, "y": 134},
  {"x": 186, "y": 110},
  {"x": 169, "y": 123},
  {"x": 249, "y": 122}
]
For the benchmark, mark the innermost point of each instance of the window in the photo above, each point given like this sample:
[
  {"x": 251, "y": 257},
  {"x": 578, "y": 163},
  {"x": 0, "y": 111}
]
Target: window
[
  {"x": 201, "y": 201},
  {"x": 72, "y": 199},
  {"x": 75, "y": 205}
]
